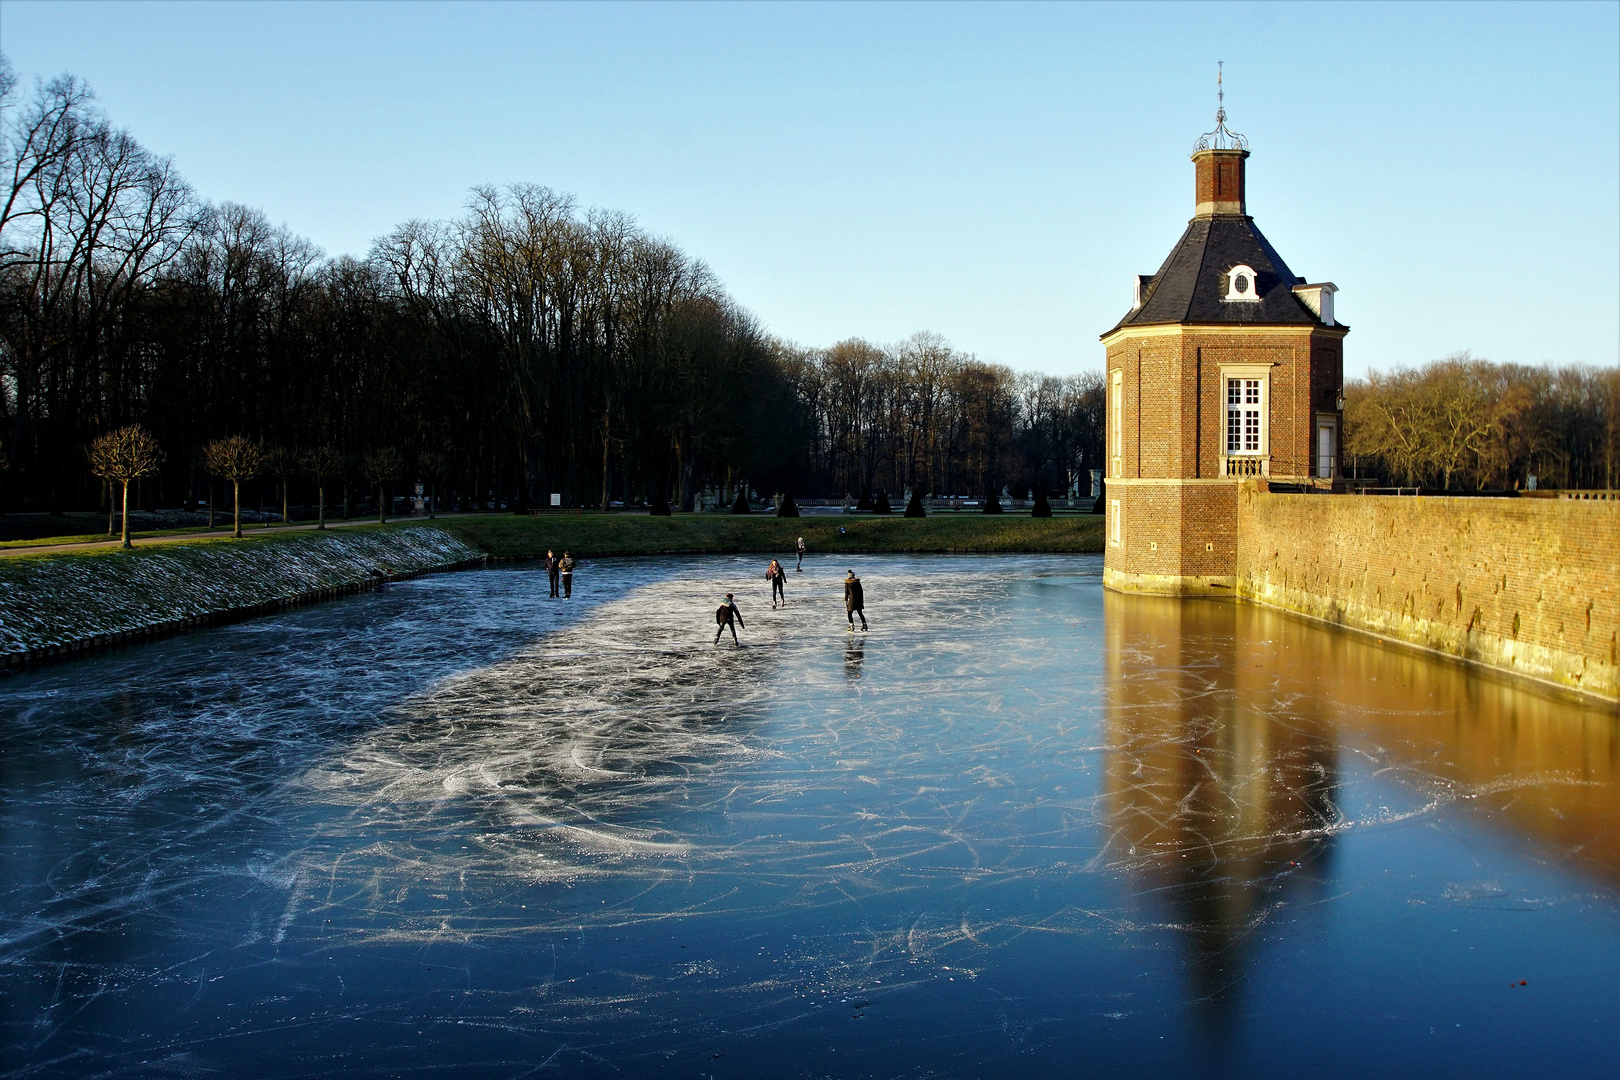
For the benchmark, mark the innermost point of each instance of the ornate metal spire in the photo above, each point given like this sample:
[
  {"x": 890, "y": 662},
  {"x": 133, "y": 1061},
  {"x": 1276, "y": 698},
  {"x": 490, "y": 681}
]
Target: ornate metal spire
[{"x": 1220, "y": 138}]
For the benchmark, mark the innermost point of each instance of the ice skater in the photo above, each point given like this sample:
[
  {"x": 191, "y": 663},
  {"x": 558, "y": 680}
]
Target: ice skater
[
  {"x": 800, "y": 568},
  {"x": 777, "y": 576},
  {"x": 551, "y": 572},
  {"x": 724, "y": 616},
  {"x": 854, "y": 601},
  {"x": 565, "y": 569}
]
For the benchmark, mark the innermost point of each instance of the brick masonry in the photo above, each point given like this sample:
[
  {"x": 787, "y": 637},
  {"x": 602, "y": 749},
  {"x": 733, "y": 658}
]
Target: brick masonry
[
  {"x": 1178, "y": 524},
  {"x": 1530, "y": 586}
]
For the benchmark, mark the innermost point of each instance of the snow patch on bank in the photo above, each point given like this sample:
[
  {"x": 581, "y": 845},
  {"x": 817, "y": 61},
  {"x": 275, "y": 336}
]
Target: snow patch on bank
[{"x": 73, "y": 601}]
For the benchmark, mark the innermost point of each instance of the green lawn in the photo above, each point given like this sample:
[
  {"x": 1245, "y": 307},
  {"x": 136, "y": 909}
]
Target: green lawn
[{"x": 597, "y": 534}]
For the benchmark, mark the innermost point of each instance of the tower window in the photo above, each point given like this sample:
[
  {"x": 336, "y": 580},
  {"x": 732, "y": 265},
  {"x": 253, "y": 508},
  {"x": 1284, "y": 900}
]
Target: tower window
[
  {"x": 1241, "y": 284},
  {"x": 1117, "y": 421},
  {"x": 1243, "y": 419}
]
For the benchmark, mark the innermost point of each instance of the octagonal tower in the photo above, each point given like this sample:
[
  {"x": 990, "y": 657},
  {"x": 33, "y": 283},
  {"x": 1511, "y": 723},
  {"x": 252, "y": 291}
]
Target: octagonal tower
[{"x": 1229, "y": 366}]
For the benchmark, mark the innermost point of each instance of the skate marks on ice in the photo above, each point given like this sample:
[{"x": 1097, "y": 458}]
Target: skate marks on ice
[{"x": 629, "y": 747}]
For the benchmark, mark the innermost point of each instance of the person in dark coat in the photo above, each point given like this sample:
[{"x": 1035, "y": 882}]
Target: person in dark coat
[
  {"x": 854, "y": 600},
  {"x": 777, "y": 576},
  {"x": 551, "y": 572},
  {"x": 566, "y": 569},
  {"x": 724, "y": 616}
]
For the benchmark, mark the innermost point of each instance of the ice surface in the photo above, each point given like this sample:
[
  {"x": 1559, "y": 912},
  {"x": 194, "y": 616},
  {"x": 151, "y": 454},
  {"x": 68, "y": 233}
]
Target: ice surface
[{"x": 1019, "y": 827}]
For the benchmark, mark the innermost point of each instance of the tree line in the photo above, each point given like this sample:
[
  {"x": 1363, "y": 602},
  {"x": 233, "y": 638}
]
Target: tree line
[
  {"x": 531, "y": 346},
  {"x": 1464, "y": 423},
  {"x": 527, "y": 347}
]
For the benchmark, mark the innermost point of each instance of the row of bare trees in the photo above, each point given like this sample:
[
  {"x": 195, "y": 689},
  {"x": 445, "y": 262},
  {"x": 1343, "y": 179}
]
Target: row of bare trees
[
  {"x": 920, "y": 415},
  {"x": 1467, "y": 423},
  {"x": 527, "y": 347}
]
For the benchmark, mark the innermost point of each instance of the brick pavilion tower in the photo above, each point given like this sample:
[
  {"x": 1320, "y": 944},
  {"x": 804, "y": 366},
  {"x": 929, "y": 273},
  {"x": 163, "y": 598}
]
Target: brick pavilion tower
[{"x": 1228, "y": 367}]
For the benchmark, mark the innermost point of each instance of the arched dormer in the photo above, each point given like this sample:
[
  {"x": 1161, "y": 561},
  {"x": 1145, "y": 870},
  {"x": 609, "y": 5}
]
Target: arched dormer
[{"x": 1241, "y": 285}]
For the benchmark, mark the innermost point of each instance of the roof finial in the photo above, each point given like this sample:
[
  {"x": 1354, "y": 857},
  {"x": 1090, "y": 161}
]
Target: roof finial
[{"x": 1221, "y": 138}]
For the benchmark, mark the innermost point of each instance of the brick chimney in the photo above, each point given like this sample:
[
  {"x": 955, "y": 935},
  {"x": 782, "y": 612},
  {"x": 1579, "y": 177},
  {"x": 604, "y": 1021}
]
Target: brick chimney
[{"x": 1219, "y": 181}]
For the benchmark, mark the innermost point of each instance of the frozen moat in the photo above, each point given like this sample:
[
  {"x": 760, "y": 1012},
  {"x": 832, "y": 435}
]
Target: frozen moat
[{"x": 1021, "y": 828}]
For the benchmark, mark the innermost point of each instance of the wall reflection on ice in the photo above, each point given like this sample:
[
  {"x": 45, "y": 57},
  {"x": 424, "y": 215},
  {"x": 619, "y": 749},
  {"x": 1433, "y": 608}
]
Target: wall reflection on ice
[{"x": 1227, "y": 726}]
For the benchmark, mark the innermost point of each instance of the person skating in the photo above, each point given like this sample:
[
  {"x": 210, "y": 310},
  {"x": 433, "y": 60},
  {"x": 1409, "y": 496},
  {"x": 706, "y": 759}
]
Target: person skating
[
  {"x": 723, "y": 617},
  {"x": 551, "y": 572},
  {"x": 777, "y": 576},
  {"x": 854, "y": 600},
  {"x": 800, "y": 568},
  {"x": 565, "y": 569}
]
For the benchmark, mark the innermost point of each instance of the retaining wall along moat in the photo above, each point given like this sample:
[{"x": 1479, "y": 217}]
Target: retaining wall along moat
[{"x": 1530, "y": 586}]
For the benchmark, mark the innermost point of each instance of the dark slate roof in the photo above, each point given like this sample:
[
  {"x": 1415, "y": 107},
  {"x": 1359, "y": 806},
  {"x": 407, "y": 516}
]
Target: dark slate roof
[{"x": 1190, "y": 285}]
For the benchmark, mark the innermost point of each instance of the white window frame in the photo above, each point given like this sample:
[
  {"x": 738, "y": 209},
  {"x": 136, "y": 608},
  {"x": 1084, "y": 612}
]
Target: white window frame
[
  {"x": 1245, "y": 461},
  {"x": 1116, "y": 523},
  {"x": 1323, "y": 468},
  {"x": 1251, "y": 295},
  {"x": 1116, "y": 420}
]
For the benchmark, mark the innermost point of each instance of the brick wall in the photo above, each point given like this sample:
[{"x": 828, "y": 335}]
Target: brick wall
[
  {"x": 1173, "y": 427},
  {"x": 1531, "y": 586}
]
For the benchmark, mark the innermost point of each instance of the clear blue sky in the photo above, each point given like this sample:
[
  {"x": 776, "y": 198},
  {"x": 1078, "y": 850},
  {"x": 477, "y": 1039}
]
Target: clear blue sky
[{"x": 996, "y": 173}]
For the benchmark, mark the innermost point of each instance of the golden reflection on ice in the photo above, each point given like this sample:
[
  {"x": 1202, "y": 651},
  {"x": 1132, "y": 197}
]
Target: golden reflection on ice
[{"x": 1225, "y": 723}]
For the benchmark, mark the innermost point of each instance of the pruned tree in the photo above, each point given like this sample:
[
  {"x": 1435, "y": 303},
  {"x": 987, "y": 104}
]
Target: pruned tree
[
  {"x": 120, "y": 456},
  {"x": 431, "y": 467},
  {"x": 383, "y": 467},
  {"x": 282, "y": 463},
  {"x": 322, "y": 464},
  {"x": 235, "y": 459}
]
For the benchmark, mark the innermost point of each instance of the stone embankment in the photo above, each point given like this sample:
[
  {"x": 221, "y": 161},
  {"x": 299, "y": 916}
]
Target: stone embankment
[
  {"x": 54, "y": 607},
  {"x": 1530, "y": 586}
]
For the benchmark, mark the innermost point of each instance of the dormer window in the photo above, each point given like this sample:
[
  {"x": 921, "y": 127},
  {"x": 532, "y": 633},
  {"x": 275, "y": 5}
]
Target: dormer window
[{"x": 1240, "y": 284}]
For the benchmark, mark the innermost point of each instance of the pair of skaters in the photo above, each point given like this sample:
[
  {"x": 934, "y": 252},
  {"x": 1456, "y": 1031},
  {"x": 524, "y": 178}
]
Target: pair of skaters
[
  {"x": 777, "y": 576},
  {"x": 560, "y": 572},
  {"x": 728, "y": 616}
]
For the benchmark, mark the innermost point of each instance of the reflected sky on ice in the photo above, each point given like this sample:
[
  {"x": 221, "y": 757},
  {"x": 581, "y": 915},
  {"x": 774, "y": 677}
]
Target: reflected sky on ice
[{"x": 1022, "y": 827}]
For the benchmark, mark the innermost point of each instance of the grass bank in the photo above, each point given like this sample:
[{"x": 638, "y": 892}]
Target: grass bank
[
  {"x": 56, "y": 605},
  {"x": 597, "y": 534},
  {"x": 61, "y": 604}
]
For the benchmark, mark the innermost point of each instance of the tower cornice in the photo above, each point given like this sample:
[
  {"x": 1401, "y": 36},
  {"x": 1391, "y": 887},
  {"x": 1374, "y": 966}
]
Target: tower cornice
[{"x": 1177, "y": 329}]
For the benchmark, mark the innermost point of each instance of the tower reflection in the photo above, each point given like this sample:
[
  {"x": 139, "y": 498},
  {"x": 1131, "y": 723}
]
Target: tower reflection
[{"x": 1219, "y": 779}]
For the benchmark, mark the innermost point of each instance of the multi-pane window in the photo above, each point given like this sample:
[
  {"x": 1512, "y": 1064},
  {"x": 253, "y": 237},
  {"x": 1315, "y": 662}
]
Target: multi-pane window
[
  {"x": 1243, "y": 416},
  {"x": 1118, "y": 421}
]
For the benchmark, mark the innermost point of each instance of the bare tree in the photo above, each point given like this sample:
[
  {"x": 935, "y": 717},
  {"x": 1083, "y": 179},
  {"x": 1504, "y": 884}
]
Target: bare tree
[
  {"x": 320, "y": 465},
  {"x": 120, "y": 456},
  {"x": 282, "y": 463},
  {"x": 382, "y": 467},
  {"x": 236, "y": 458},
  {"x": 430, "y": 465}
]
